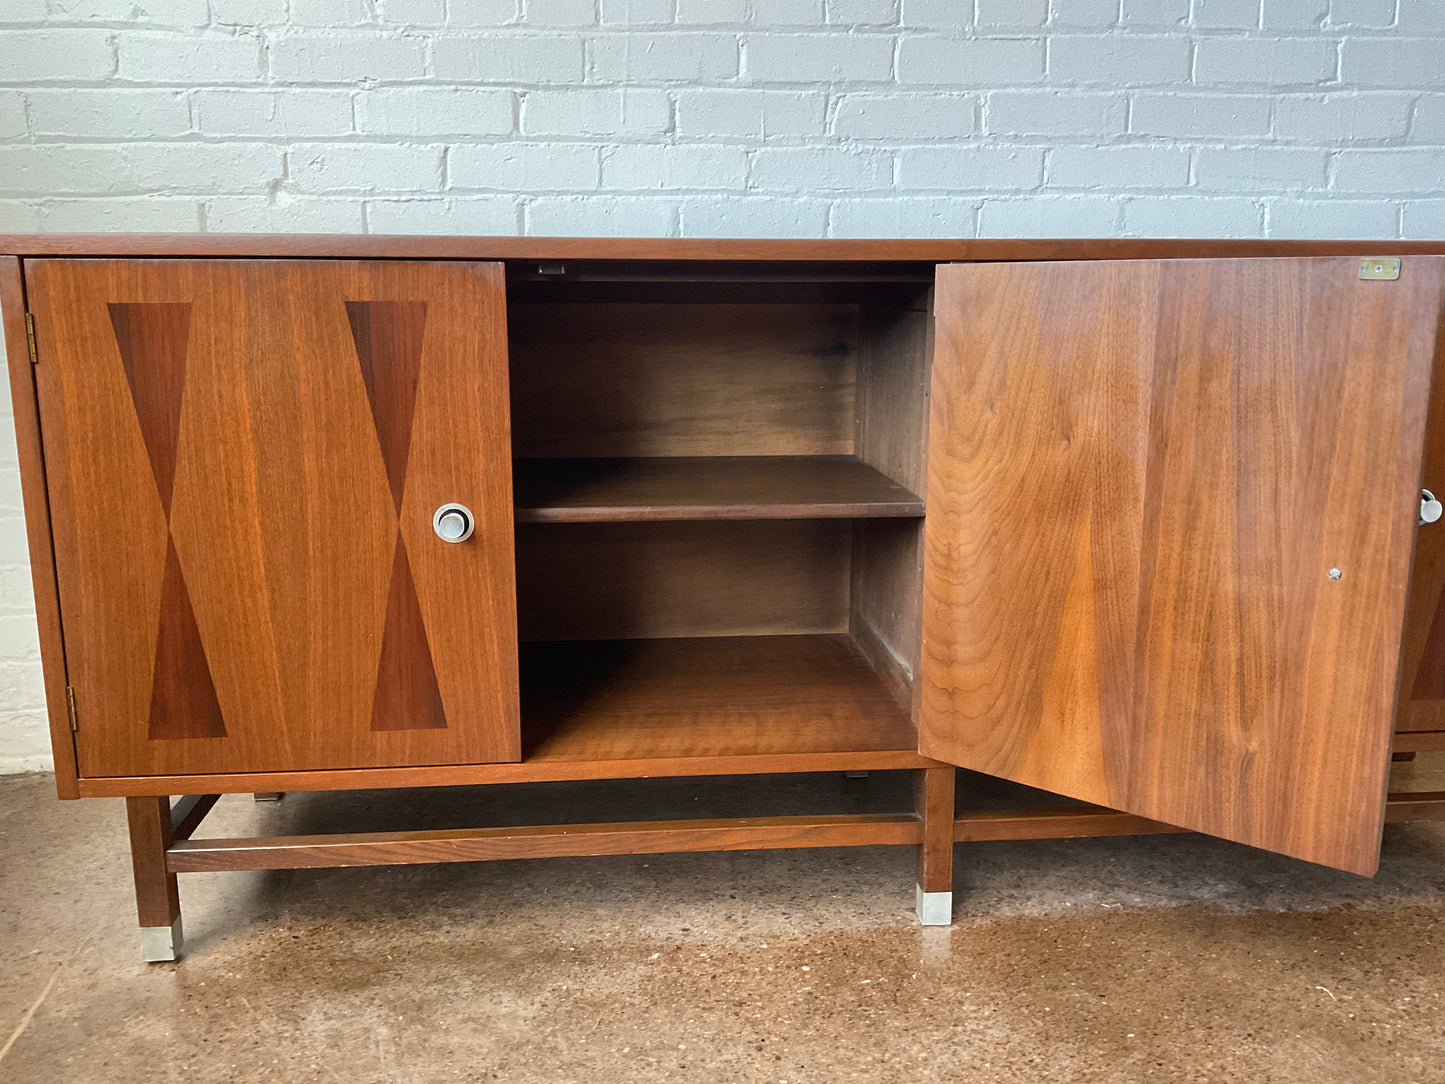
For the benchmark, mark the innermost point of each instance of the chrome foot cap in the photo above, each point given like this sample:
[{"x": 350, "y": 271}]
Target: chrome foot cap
[
  {"x": 934, "y": 908},
  {"x": 160, "y": 944}
]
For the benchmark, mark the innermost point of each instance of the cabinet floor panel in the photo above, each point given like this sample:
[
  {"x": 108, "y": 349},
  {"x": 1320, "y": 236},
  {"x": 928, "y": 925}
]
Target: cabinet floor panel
[
  {"x": 706, "y": 487},
  {"x": 705, "y": 697}
]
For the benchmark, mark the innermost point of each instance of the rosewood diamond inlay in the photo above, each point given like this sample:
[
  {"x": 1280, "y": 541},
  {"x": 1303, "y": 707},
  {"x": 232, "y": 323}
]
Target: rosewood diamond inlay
[
  {"x": 183, "y": 696},
  {"x": 407, "y": 695},
  {"x": 388, "y": 337},
  {"x": 153, "y": 340}
]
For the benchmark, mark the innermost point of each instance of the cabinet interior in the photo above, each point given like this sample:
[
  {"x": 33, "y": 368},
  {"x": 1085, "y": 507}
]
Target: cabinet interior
[{"x": 718, "y": 483}]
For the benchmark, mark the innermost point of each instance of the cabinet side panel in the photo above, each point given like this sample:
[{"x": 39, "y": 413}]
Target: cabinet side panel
[
  {"x": 895, "y": 344},
  {"x": 895, "y": 351},
  {"x": 37, "y": 523}
]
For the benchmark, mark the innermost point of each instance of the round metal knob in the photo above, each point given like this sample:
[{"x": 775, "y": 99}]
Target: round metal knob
[
  {"x": 453, "y": 523},
  {"x": 1430, "y": 508}
]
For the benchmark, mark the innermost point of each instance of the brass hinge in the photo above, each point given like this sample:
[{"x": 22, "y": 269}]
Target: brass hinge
[
  {"x": 1380, "y": 267},
  {"x": 70, "y": 706},
  {"x": 30, "y": 337}
]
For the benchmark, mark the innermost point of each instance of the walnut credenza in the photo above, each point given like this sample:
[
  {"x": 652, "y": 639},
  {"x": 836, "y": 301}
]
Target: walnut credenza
[{"x": 1129, "y": 522}]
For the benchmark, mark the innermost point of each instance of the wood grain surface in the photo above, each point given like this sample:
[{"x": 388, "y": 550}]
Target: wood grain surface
[
  {"x": 887, "y": 581},
  {"x": 1422, "y": 673},
  {"x": 1069, "y": 822},
  {"x": 706, "y": 487},
  {"x": 414, "y": 247},
  {"x": 1140, "y": 475},
  {"x": 656, "y": 837},
  {"x": 526, "y": 771},
  {"x": 606, "y": 581},
  {"x": 934, "y": 792},
  {"x": 1092, "y": 822},
  {"x": 157, "y": 896},
  {"x": 1425, "y": 805},
  {"x": 1419, "y": 741},
  {"x": 244, "y": 458},
  {"x": 629, "y": 379},
  {"x": 706, "y": 697},
  {"x": 25, "y": 412},
  {"x": 894, "y": 354},
  {"x": 543, "y": 841},
  {"x": 189, "y": 811}
]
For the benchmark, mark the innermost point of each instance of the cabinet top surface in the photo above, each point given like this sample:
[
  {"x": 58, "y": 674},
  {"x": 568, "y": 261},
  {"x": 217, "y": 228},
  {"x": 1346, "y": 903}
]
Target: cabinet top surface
[{"x": 378, "y": 246}]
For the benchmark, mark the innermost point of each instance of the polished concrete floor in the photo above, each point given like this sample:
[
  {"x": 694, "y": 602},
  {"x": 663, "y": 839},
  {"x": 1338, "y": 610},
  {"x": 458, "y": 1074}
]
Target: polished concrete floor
[{"x": 1131, "y": 960}]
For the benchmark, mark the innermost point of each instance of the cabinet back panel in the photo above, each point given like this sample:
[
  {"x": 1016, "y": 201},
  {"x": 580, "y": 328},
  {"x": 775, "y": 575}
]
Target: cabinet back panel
[
  {"x": 629, "y": 580},
  {"x": 644, "y": 379}
]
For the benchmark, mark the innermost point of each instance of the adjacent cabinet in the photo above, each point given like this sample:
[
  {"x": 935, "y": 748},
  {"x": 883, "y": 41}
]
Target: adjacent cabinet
[{"x": 1129, "y": 524}]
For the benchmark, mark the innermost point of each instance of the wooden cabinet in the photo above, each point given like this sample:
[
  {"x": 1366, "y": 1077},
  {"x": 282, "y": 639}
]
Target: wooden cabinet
[{"x": 1129, "y": 523}]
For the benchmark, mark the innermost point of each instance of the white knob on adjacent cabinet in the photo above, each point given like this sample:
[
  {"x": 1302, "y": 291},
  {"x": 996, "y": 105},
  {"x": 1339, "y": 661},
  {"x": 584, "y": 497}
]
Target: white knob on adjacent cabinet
[
  {"x": 453, "y": 523},
  {"x": 1430, "y": 508}
]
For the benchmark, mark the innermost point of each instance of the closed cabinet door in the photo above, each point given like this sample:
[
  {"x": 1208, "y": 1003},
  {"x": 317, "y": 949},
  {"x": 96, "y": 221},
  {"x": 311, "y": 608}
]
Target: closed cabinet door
[
  {"x": 245, "y": 459},
  {"x": 1171, "y": 510}
]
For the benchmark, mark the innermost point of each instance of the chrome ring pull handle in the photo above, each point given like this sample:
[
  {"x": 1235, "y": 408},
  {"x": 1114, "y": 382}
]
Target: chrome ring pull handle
[{"x": 453, "y": 523}]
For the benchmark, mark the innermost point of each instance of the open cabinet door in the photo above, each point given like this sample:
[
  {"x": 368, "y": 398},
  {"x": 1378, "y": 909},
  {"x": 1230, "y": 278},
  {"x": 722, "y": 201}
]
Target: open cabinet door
[{"x": 1171, "y": 508}]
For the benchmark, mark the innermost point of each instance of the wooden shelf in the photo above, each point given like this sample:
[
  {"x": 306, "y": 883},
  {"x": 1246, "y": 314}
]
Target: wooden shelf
[
  {"x": 705, "y": 697},
  {"x": 708, "y": 487}
]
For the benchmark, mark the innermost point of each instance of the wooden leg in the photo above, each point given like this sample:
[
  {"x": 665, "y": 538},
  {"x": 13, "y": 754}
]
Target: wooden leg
[
  {"x": 933, "y": 800},
  {"x": 158, "y": 903}
]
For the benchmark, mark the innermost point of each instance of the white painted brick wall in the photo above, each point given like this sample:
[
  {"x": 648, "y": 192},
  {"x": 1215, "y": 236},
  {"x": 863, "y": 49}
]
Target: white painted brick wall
[{"x": 842, "y": 118}]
